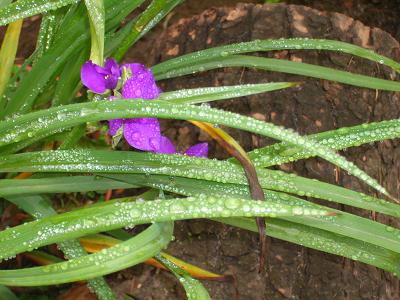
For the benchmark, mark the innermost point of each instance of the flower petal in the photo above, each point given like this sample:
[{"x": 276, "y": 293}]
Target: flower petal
[
  {"x": 114, "y": 125},
  {"x": 112, "y": 67},
  {"x": 113, "y": 73},
  {"x": 141, "y": 84},
  {"x": 146, "y": 121},
  {"x": 146, "y": 137},
  {"x": 199, "y": 150},
  {"x": 166, "y": 146},
  {"x": 92, "y": 79}
]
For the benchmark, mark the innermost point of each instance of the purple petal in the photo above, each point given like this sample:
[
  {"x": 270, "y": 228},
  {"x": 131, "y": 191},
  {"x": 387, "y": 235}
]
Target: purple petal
[
  {"x": 199, "y": 150},
  {"x": 112, "y": 67},
  {"x": 146, "y": 121},
  {"x": 166, "y": 146},
  {"x": 113, "y": 73},
  {"x": 92, "y": 79},
  {"x": 141, "y": 84},
  {"x": 114, "y": 125},
  {"x": 146, "y": 137},
  {"x": 111, "y": 81}
]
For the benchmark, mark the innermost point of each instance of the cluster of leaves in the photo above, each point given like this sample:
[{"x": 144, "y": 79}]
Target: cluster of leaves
[{"x": 41, "y": 106}]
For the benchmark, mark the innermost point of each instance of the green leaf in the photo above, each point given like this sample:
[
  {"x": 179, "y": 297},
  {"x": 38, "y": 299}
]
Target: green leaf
[
  {"x": 39, "y": 207},
  {"x": 123, "y": 255},
  {"x": 272, "y": 45},
  {"x": 4, "y": 3},
  {"x": 62, "y": 184},
  {"x": 112, "y": 215},
  {"x": 156, "y": 11},
  {"x": 207, "y": 94},
  {"x": 342, "y": 223},
  {"x": 338, "y": 139},
  {"x": 7, "y": 56},
  {"x": 152, "y": 164},
  {"x": 193, "y": 288},
  {"x": 7, "y": 294},
  {"x": 69, "y": 83},
  {"x": 97, "y": 23},
  {"x": 324, "y": 241},
  {"x": 72, "y": 37},
  {"x": 29, "y": 125},
  {"x": 25, "y": 8},
  {"x": 280, "y": 65},
  {"x": 47, "y": 32}
]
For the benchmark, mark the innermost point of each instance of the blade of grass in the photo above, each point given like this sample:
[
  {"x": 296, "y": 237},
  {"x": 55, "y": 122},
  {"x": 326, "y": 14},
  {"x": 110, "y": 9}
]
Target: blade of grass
[
  {"x": 207, "y": 94},
  {"x": 67, "y": 85},
  {"x": 151, "y": 164},
  {"x": 285, "y": 66},
  {"x": 338, "y": 139},
  {"x": 131, "y": 252},
  {"x": 355, "y": 244},
  {"x": 156, "y": 11},
  {"x": 23, "y": 8},
  {"x": 7, "y": 56},
  {"x": 31, "y": 124},
  {"x": 7, "y": 294},
  {"x": 113, "y": 214},
  {"x": 48, "y": 31},
  {"x": 63, "y": 184},
  {"x": 234, "y": 149},
  {"x": 193, "y": 288},
  {"x": 38, "y": 207},
  {"x": 98, "y": 242},
  {"x": 273, "y": 45},
  {"x": 341, "y": 223},
  {"x": 96, "y": 13},
  {"x": 324, "y": 241}
]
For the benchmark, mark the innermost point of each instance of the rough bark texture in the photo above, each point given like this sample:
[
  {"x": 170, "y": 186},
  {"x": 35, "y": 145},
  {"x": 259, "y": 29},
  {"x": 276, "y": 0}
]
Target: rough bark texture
[{"x": 293, "y": 272}]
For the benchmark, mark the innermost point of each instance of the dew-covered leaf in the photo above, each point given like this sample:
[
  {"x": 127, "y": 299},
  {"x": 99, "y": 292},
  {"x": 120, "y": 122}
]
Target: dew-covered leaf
[{"x": 40, "y": 122}]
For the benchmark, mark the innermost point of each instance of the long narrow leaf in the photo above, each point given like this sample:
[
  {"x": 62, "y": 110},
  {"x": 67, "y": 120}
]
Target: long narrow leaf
[
  {"x": 24, "y": 8},
  {"x": 324, "y": 241},
  {"x": 7, "y": 56},
  {"x": 157, "y": 10},
  {"x": 338, "y": 139},
  {"x": 285, "y": 66},
  {"x": 97, "y": 23},
  {"x": 114, "y": 215},
  {"x": 63, "y": 184},
  {"x": 193, "y": 288},
  {"x": 273, "y": 45},
  {"x": 32, "y": 124},
  {"x": 38, "y": 207},
  {"x": 131, "y": 252},
  {"x": 342, "y": 223}
]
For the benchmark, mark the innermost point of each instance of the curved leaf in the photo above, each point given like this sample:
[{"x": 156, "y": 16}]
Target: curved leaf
[
  {"x": 25, "y": 8},
  {"x": 38, "y": 123},
  {"x": 285, "y": 66},
  {"x": 112, "y": 215},
  {"x": 128, "y": 253},
  {"x": 273, "y": 45}
]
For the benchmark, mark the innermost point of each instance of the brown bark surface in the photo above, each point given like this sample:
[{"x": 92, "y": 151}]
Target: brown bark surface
[{"x": 293, "y": 272}]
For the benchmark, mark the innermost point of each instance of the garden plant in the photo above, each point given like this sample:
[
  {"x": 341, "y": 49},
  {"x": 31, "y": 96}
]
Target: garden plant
[{"x": 100, "y": 119}]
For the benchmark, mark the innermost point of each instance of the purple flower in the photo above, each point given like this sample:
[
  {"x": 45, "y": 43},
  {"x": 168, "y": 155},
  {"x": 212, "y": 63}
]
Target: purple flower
[
  {"x": 199, "y": 150},
  {"x": 141, "y": 133},
  {"x": 99, "y": 79}
]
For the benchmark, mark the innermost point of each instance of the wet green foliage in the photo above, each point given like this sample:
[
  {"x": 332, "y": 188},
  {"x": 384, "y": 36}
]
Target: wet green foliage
[{"x": 41, "y": 106}]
